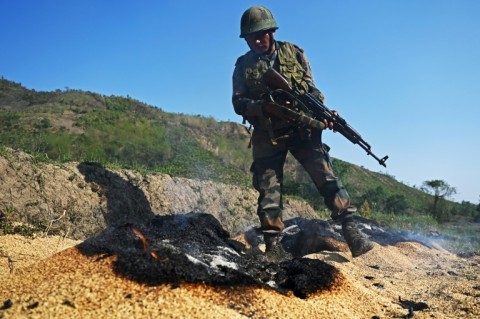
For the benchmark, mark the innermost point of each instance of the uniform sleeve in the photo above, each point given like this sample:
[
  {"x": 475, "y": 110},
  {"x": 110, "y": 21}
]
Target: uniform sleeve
[
  {"x": 240, "y": 91},
  {"x": 308, "y": 76}
]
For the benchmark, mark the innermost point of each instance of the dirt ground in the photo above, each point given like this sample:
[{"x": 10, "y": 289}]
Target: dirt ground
[{"x": 48, "y": 278}]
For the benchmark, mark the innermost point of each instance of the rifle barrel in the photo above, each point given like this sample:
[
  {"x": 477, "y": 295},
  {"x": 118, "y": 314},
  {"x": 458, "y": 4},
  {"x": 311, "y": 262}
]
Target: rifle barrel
[{"x": 277, "y": 83}]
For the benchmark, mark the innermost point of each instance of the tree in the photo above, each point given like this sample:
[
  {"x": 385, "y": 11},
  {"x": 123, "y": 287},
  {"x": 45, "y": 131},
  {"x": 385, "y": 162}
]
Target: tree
[
  {"x": 465, "y": 209},
  {"x": 440, "y": 190},
  {"x": 396, "y": 204},
  {"x": 376, "y": 198},
  {"x": 365, "y": 209}
]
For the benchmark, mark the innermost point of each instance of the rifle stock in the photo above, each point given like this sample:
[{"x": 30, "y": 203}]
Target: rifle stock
[
  {"x": 316, "y": 111},
  {"x": 288, "y": 114},
  {"x": 275, "y": 80}
]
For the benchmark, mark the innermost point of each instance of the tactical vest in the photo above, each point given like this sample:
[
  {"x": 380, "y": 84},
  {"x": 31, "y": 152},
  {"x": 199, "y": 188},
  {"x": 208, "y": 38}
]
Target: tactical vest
[{"x": 288, "y": 66}]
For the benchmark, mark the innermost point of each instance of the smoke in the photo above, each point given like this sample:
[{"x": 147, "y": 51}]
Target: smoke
[{"x": 458, "y": 238}]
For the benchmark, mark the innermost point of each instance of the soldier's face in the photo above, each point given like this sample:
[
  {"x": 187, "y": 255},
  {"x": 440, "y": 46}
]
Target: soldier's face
[{"x": 259, "y": 42}]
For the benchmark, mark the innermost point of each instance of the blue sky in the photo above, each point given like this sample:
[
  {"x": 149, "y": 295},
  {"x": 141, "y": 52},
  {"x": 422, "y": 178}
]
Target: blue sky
[{"x": 404, "y": 73}]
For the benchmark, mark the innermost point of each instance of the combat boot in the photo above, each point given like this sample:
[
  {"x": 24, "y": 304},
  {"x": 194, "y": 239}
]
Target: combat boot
[
  {"x": 356, "y": 241},
  {"x": 274, "y": 251}
]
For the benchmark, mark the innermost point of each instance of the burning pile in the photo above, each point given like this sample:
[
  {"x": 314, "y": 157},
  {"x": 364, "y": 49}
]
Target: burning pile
[{"x": 194, "y": 248}]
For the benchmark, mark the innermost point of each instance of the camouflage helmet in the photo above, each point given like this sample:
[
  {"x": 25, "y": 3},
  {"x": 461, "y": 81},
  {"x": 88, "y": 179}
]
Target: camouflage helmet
[{"x": 256, "y": 19}]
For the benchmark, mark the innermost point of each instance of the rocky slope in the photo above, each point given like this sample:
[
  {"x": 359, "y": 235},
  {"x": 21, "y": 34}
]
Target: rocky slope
[{"x": 76, "y": 200}]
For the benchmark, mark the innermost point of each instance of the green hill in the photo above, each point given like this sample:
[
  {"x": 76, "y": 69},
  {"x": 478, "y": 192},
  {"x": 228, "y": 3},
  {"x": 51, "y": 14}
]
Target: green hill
[
  {"x": 75, "y": 125},
  {"x": 85, "y": 126}
]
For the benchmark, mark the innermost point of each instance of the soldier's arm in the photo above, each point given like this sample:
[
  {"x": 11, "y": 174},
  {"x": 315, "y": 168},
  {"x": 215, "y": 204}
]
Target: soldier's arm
[{"x": 240, "y": 98}]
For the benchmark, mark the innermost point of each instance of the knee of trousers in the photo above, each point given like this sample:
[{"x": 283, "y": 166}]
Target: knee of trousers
[
  {"x": 270, "y": 204},
  {"x": 335, "y": 196},
  {"x": 271, "y": 220}
]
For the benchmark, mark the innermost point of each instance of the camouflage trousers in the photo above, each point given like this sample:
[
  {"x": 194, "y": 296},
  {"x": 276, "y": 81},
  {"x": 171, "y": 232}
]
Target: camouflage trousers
[{"x": 267, "y": 169}]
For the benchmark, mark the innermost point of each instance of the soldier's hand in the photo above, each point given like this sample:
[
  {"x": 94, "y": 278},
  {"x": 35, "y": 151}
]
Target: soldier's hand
[{"x": 329, "y": 125}]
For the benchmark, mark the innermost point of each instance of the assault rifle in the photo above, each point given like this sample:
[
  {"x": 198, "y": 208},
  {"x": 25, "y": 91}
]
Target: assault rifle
[{"x": 308, "y": 110}]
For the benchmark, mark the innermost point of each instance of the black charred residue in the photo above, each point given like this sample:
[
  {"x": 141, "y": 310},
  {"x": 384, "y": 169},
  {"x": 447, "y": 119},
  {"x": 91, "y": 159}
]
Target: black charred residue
[
  {"x": 188, "y": 248},
  {"x": 194, "y": 248},
  {"x": 33, "y": 305},
  {"x": 413, "y": 305},
  {"x": 68, "y": 303},
  {"x": 313, "y": 237},
  {"x": 306, "y": 276},
  {"x": 6, "y": 304}
]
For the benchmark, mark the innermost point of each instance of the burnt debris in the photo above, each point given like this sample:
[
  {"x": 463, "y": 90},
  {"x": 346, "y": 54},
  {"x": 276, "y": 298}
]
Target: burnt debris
[
  {"x": 413, "y": 305},
  {"x": 194, "y": 248},
  {"x": 6, "y": 304}
]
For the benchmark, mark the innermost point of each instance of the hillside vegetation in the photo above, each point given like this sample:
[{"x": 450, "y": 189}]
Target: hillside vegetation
[{"x": 73, "y": 125}]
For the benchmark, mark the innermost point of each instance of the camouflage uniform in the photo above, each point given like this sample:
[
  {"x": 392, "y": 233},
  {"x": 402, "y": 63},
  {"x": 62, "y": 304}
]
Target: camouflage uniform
[{"x": 304, "y": 144}]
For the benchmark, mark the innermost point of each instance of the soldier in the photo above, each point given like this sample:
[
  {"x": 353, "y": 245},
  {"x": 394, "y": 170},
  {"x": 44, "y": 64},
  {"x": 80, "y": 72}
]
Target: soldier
[{"x": 273, "y": 138}]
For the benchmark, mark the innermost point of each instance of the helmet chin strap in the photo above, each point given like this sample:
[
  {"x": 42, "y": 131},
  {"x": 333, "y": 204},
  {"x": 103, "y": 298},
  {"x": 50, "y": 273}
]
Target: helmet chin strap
[
  {"x": 272, "y": 43},
  {"x": 271, "y": 54}
]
